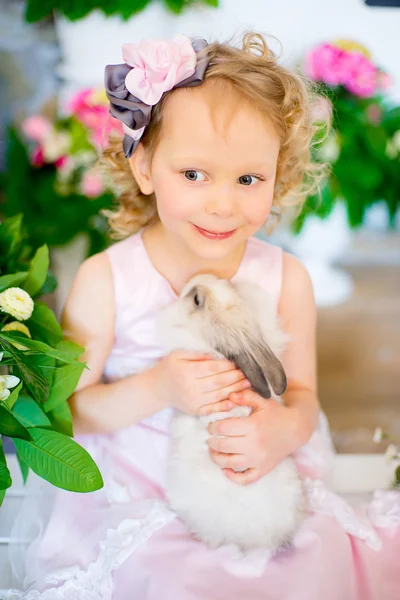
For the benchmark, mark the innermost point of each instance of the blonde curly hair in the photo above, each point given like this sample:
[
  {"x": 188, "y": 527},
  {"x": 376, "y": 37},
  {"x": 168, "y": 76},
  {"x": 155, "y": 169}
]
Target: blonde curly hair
[{"x": 283, "y": 96}]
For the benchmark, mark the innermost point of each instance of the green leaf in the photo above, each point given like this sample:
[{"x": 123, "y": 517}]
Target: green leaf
[
  {"x": 64, "y": 384},
  {"x": 13, "y": 280},
  {"x": 23, "y": 467},
  {"x": 37, "y": 9},
  {"x": 36, "y": 383},
  {"x": 61, "y": 461},
  {"x": 61, "y": 419},
  {"x": 36, "y": 346},
  {"x": 49, "y": 285},
  {"x": 45, "y": 365},
  {"x": 13, "y": 397},
  {"x": 5, "y": 475},
  {"x": 175, "y": 6},
  {"x": 128, "y": 9},
  {"x": 37, "y": 271},
  {"x": 2, "y": 496},
  {"x": 11, "y": 235},
  {"x": 73, "y": 350},
  {"x": 10, "y": 426},
  {"x": 29, "y": 413},
  {"x": 43, "y": 325},
  {"x": 397, "y": 475}
]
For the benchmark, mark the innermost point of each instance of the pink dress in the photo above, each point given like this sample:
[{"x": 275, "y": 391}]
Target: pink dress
[{"x": 124, "y": 543}]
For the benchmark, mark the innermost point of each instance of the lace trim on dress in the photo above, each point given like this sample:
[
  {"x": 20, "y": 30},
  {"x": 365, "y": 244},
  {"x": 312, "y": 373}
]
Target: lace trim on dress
[
  {"x": 323, "y": 500},
  {"x": 96, "y": 581},
  {"x": 384, "y": 509}
]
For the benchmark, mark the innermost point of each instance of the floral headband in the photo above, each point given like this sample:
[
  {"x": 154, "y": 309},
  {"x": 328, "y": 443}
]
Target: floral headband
[{"x": 151, "y": 68}]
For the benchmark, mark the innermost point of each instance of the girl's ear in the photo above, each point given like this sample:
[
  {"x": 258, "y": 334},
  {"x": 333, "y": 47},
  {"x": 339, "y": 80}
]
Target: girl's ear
[{"x": 140, "y": 166}]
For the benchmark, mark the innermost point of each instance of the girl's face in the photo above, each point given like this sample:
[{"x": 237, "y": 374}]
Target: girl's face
[{"x": 213, "y": 172}]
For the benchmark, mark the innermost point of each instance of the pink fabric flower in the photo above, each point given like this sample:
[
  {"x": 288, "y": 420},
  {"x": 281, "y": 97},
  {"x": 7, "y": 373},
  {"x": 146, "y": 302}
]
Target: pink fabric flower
[
  {"x": 37, "y": 128},
  {"x": 135, "y": 134},
  {"x": 92, "y": 184},
  {"x": 158, "y": 65}
]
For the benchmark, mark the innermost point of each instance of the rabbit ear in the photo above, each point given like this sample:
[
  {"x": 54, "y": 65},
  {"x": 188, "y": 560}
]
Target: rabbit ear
[{"x": 257, "y": 362}]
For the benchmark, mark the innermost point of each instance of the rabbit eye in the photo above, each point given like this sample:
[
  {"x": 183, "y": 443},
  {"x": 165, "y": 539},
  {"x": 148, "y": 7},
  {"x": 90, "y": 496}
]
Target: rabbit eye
[{"x": 196, "y": 299}]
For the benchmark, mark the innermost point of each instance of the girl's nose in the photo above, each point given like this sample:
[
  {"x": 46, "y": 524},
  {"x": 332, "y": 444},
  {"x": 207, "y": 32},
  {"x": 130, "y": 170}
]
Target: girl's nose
[{"x": 221, "y": 202}]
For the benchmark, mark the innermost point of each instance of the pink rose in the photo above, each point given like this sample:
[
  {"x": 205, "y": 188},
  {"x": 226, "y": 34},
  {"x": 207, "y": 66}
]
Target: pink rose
[
  {"x": 37, "y": 128},
  {"x": 92, "y": 184},
  {"x": 158, "y": 65}
]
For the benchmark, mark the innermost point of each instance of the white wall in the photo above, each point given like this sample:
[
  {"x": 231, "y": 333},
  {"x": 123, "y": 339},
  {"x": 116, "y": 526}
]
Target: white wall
[{"x": 298, "y": 24}]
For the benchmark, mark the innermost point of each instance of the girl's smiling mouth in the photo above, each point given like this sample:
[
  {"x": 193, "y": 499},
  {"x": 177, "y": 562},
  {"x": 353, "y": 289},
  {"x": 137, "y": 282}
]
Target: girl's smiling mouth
[{"x": 214, "y": 235}]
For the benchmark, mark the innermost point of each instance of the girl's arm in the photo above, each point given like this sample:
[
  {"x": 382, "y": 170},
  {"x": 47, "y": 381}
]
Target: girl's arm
[
  {"x": 88, "y": 319},
  {"x": 298, "y": 318},
  {"x": 273, "y": 431}
]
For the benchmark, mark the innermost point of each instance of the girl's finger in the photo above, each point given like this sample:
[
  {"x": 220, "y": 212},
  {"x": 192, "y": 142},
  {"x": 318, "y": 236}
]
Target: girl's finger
[
  {"x": 210, "y": 368},
  {"x": 223, "y": 382},
  {"x": 231, "y": 426},
  {"x": 243, "y": 478},
  {"x": 248, "y": 398},
  {"x": 228, "y": 445},
  {"x": 215, "y": 407},
  {"x": 230, "y": 461}
]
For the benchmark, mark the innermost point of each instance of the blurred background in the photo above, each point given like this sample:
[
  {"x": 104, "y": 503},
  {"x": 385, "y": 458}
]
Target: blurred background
[{"x": 53, "y": 115}]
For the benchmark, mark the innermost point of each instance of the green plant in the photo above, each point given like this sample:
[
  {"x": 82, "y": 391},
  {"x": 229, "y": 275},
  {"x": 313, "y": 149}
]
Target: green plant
[
  {"x": 38, "y": 9},
  {"x": 363, "y": 146},
  {"x": 39, "y": 370},
  {"x": 51, "y": 175}
]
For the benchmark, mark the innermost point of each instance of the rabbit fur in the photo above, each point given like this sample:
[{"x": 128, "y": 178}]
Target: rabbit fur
[{"x": 238, "y": 321}]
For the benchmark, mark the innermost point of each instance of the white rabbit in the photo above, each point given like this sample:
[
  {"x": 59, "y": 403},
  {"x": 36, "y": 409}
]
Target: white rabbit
[{"x": 235, "y": 321}]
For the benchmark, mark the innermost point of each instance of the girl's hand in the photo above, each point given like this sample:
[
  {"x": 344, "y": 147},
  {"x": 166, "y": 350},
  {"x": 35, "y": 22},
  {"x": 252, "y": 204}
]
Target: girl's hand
[
  {"x": 197, "y": 384},
  {"x": 255, "y": 444}
]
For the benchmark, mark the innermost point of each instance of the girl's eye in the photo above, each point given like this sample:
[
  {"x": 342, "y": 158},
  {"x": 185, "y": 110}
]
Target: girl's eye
[
  {"x": 193, "y": 175},
  {"x": 248, "y": 179}
]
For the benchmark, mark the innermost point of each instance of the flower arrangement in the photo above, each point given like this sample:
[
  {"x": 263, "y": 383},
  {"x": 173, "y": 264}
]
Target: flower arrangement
[
  {"x": 52, "y": 176},
  {"x": 39, "y": 370},
  {"x": 363, "y": 145},
  {"x": 38, "y": 9}
]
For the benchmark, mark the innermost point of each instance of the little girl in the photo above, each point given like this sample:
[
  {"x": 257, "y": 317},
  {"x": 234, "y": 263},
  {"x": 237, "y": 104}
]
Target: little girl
[{"x": 216, "y": 138}]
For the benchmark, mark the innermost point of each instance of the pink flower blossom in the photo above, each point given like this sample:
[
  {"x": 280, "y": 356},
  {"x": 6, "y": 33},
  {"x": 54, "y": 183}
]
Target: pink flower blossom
[
  {"x": 61, "y": 162},
  {"x": 37, "y": 128},
  {"x": 384, "y": 80},
  {"x": 374, "y": 114},
  {"x": 92, "y": 184},
  {"x": 360, "y": 77},
  {"x": 37, "y": 156},
  {"x": 336, "y": 66},
  {"x": 90, "y": 110},
  {"x": 158, "y": 65}
]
